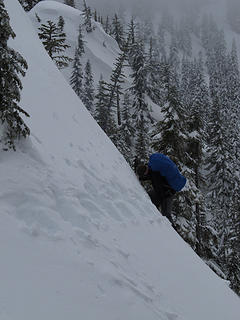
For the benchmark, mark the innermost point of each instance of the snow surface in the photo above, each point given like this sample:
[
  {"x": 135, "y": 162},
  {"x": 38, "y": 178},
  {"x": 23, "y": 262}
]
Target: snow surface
[{"x": 79, "y": 237}]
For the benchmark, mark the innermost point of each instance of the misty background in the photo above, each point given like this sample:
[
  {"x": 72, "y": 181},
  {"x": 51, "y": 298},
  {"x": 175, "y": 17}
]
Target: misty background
[
  {"x": 148, "y": 7},
  {"x": 228, "y": 11}
]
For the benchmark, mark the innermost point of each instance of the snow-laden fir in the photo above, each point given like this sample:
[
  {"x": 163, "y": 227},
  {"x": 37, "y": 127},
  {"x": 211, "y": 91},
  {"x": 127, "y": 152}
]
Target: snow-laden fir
[{"x": 79, "y": 237}]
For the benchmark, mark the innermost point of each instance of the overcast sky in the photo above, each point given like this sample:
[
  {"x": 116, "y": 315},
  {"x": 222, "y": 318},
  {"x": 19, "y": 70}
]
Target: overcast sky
[{"x": 148, "y": 6}]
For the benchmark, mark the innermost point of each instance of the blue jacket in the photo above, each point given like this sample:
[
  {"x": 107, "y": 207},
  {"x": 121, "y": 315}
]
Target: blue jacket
[{"x": 168, "y": 169}]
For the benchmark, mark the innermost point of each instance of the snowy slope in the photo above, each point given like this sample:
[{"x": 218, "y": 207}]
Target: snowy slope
[
  {"x": 100, "y": 48},
  {"x": 79, "y": 238}
]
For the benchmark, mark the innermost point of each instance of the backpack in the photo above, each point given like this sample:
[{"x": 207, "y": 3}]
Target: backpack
[{"x": 168, "y": 169}]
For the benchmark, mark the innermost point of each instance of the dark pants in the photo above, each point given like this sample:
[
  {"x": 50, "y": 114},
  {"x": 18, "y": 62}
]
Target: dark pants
[{"x": 165, "y": 204}]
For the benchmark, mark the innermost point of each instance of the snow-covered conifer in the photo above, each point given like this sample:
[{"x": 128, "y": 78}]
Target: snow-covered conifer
[
  {"x": 131, "y": 31},
  {"x": 88, "y": 87},
  {"x": 116, "y": 79},
  {"x": 28, "y": 4},
  {"x": 11, "y": 65},
  {"x": 87, "y": 15},
  {"x": 61, "y": 23},
  {"x": 70, "y": 3},
  {"x": 117, "y": 30},
  {"x": 76, "y": 79},
  {"x": 103, "y": 112},
  {"x": 138, "y": 88},
  {"x": 153, "y": 63},
  {"x": 54, "y": 40},
  {"x": 107, "y": 26}
]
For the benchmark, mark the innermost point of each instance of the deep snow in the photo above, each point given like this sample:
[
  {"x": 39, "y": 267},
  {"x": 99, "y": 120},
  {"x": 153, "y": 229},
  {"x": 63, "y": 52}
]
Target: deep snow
[{"x": 79, "y": 238}]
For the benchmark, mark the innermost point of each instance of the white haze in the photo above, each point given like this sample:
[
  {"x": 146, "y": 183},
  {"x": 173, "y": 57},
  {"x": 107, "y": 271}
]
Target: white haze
[{"x": 147, "y": 7}]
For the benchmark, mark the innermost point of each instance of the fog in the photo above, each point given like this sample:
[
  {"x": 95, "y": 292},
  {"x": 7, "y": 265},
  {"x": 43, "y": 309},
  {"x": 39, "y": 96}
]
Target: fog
[
  {"x": 147, "y": 7},
  {"x": 222, "y": 10}
]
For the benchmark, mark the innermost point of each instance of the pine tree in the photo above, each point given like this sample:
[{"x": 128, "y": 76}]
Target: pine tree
[
  {"x": 70, "y": 3},
  {"x": 153, "y": 63},
  {"x": 117, "y": 31},
  {"x": 76, "y": 79},
  {"x": 131, "y": 31},
  {"x": 138, "y": 88},
  {"x": 88, "y": 88},
  {"x": 103, "y": 112},
  {"x": 95, "y": 15},
  {"x": 28, "y": 4},
  {"x": 54, "y": 42},
  {"x": 87, "y": 15},
  {"x": 11, "y": 64},
  {"x": 116, "y": 79},
  {"x": 107, "y": 26},
  {"x": 141, "y": 113},
  {"x": 142, "y": 140},
  {"x": 61, "y": 23},
  {"x": 127, "y": 128}
]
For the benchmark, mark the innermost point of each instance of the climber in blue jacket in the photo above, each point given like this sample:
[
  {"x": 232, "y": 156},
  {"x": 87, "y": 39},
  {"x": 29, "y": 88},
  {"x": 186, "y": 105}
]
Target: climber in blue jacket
[{"x": 166, "y": 181}]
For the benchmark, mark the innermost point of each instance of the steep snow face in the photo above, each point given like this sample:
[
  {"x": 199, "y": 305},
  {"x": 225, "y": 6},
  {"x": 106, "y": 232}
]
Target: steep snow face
[{"x": 79, "y": 238}]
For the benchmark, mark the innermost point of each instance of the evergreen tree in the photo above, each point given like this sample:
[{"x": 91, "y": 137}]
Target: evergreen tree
[
  {"x": 142, "y": 140},
  {"x": 70, "y": 3},
  {"x": 54, "y": 42},
  {"x": 138, "y": 89},
  {"x": 76, "y": 79},
  {"x": 28, "y": 4},
  {"x": 131, "y": 31},
  {"x": 87, "y": 15},
  {"x": 107, "y": 26},
  {"x": 11, "y": 65},
  {"x": 153, "y": 84},
  {"x": 61, "y": 23},
  {"x": 117, "y": 31},
  {"x": 127, "y": 131},
  {"x": 88, "y": 88},
  {"x": 117, "y": 78},
  {"x": 95, "y": 15},
  {"x": 141, "y": 113},
  {"x": 103, "y": 112}
]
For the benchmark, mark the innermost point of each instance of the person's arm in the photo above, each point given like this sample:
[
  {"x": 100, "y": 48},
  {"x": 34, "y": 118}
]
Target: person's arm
[{"x": 145, "y": 177}]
